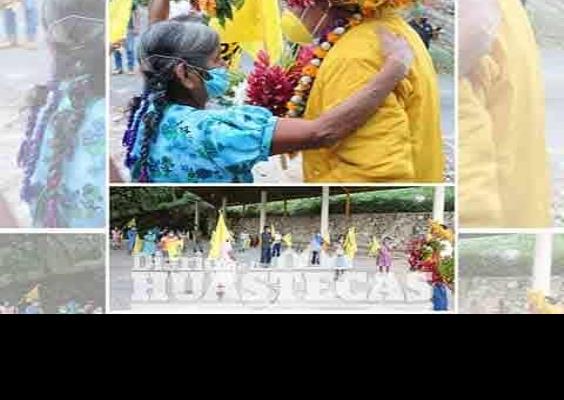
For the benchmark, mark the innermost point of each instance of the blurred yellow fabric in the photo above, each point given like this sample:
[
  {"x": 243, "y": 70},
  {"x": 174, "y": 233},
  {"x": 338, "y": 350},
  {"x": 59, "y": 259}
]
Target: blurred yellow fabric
[
  {"x": 174, "y": 249},
  {"x": 288, "y": 239},
  {"x": 120, "y": 12},
  {"x": 403, "y": 140},
  {"x": 219, "y": 237},
  {"x": 32, "y": 295},
  {"x": 538, "y": 302},
  {"x": 138, "y": 248},
  {"x": 255, "y": 26},
  {"x": 374, "y": 247},
  {"x": 350, "y": 245},
  {"x": 503, "y": 163}
]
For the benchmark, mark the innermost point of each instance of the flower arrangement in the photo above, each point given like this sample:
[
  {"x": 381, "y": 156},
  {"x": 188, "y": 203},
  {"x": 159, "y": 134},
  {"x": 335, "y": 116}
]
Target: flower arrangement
[
  {"x": 220, "y": 9},
  {"x": 434, "y": 254},
  {"x": 271, "y": 86}
]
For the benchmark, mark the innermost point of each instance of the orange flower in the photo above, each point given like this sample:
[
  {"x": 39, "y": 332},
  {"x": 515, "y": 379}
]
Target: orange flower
[
  {"x": 291, "y": 106},
  {"x": 332, "y": 37},
  {"x": 209, "y": 7},
  {"x": 310, "y": 70},
  {"x": 319, "y": 52}
]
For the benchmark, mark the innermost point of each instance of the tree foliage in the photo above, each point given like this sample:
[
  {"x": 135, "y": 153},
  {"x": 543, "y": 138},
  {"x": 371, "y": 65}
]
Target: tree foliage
[{"x": 380, "y": 202}]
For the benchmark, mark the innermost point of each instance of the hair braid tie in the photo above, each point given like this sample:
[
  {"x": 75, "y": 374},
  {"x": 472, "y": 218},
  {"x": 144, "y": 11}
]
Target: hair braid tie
[
  {"x": 66, "y": 126},
  {"x": 137, "y": 111},
  {"x": 30, "y": 155},
  {"x": 151, "y": 120}
]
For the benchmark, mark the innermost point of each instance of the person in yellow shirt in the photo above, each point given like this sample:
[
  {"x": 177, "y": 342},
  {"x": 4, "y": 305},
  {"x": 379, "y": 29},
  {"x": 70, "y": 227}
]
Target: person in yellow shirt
[
  {"x": 402, "y": 141},
  {"x": 503, "y": 163}
]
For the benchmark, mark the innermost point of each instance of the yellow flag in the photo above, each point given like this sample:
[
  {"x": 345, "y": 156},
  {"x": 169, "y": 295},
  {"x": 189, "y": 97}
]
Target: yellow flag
[
  {"x": 120, "y": 12},
  {"x": 174, "y": 249},
  {"x": 231, "y": 54},
  {"x": 219, "y": 237},
  {"x": 138, "y": 248},
  {"x": 326, "y": 242},
  {"x": 32, "y": 295},
  {"x": 287, "y": 239},
  {"x": 131, "y": 223},
  {"x": 374, "y": 247},
  {"x": 256, "y": 26},
  {"x": 350, "y": 246}
]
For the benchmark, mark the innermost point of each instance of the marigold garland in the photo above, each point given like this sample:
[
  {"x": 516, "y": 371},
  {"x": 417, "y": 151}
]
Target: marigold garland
[
  {"x": 368, "y": 9},
  {"x": 296, "y": 105}
]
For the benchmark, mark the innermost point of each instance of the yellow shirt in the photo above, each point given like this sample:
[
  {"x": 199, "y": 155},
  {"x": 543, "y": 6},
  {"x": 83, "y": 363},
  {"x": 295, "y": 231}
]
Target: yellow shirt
[
  {"x": 503, "y": 164},
  {"x": 402, "y": 141}
]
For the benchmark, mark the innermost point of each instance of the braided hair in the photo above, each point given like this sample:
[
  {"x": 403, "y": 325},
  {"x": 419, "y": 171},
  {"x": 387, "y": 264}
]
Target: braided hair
[
  {"x": 75, "y": 35},
  {"x": 162, "y": 48}
]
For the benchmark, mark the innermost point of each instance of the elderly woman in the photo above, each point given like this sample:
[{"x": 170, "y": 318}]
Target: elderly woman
[
  {"x": 63, "y": 154},
  {"x": 172, "y": 137},
  {"x": 402, "y": 139}
]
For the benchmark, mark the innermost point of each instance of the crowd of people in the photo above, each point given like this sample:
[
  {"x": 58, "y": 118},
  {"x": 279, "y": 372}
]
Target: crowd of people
[
  {"x": 431, "y": 254},
  {"x": 36, "y": 307},
  {"x": 174, "y": 243},
  {"x": 156, "y": 241}
]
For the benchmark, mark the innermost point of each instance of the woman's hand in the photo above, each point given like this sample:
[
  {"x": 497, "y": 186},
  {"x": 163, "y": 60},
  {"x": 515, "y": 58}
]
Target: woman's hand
[
  {"x": 397, "y": 52},
  {"x": 344, "y": 119}
]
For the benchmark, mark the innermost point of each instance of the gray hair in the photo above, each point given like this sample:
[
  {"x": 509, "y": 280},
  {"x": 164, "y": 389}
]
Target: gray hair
[{"x": 190, "y": 41}]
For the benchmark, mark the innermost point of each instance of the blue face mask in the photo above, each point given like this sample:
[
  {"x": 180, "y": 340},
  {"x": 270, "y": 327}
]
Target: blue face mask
[{"x": 218, "y": 85}]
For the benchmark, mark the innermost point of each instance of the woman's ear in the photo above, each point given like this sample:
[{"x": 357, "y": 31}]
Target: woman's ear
[{"x": 184, "y": 76}]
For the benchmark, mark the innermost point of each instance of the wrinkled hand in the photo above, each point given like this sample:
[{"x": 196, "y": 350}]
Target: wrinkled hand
[{"x": 396, "y": 48}]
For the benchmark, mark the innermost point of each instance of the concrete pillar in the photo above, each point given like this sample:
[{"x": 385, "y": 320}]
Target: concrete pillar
[
  {"x": 439, "y": 205},
  {"x": 543, "y": 263},
  {"x": 196, "y": 215},
  {"x": 224, "y": 206},
  {"x": 325, "y": 211},
  {"x": 263, "y": 199}
]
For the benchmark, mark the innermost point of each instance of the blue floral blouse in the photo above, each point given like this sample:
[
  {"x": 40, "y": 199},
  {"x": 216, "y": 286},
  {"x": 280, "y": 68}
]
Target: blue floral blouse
[
  {"x": 82, "y": 191},
  {"x": 208, "y": 146}
]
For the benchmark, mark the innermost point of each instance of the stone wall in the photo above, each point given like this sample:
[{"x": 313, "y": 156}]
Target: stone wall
[
  {"x": 402, "y": 227},
  {"x": 28, "y": 258},
  {"x": 546, "y": 16},
  {"x": 499, "y": 295}
]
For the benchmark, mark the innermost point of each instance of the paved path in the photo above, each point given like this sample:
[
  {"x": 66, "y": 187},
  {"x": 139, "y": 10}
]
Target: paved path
[
  {"x": 20, "y": 69},
  {"x": 553, "y": 60}
]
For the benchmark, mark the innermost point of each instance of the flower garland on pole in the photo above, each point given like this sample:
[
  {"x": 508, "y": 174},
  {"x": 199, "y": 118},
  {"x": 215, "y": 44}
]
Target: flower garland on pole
[{"x": 434, "y": 255}]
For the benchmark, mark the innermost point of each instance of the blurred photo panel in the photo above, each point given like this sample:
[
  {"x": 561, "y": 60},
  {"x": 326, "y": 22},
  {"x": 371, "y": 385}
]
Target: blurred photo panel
[{"x": 52, "y": 114}]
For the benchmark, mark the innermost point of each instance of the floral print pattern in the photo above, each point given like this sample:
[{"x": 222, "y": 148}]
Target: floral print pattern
[
  {"x": 81, "y": 196},
  {"x": 210, "y": 146}
]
